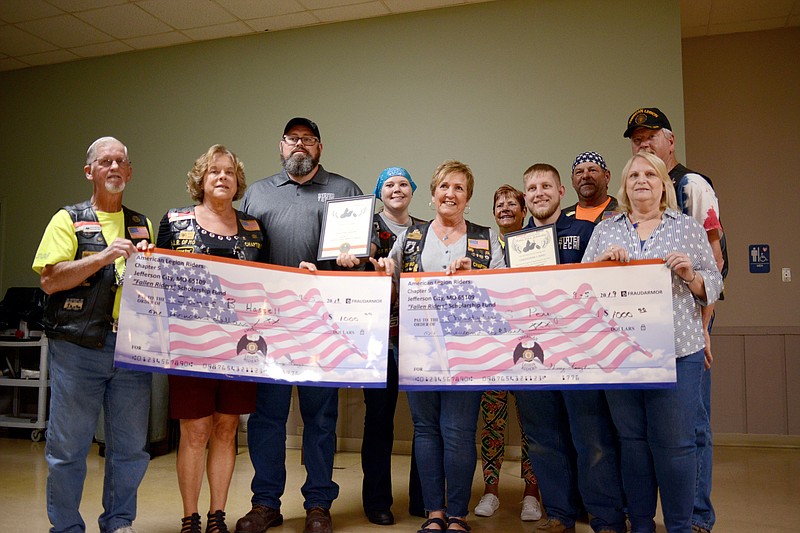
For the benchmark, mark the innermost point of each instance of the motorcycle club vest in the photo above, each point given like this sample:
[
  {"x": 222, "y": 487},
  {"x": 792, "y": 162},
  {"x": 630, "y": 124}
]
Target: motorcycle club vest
[
  {"x": 479, "y": 249},
  {"x": 186, "y": 235},
  {"x": 386, "y": 240},
  {"x": 83, "y": 314}
]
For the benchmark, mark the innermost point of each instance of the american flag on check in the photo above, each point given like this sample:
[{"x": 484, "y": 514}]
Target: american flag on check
[
  {"x": 485, "y": 327},
  {"x": 209, "y": 315}
]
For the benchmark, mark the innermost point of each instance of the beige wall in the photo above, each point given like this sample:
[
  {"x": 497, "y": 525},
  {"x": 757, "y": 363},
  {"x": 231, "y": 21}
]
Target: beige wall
[
  {"x": 741, "y": 94},
  {"x": 499, "y": 85}
]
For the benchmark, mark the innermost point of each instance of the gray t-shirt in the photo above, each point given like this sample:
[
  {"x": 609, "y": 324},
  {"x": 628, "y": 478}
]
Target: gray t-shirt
[{"x": 293, "y": 213}]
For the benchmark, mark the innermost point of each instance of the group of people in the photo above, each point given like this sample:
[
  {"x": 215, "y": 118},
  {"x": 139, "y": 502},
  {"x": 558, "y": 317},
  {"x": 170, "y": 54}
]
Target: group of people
[{"x": 605, "y": 453}]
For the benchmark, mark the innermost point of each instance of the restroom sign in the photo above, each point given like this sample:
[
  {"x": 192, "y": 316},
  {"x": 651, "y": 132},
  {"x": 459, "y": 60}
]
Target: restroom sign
[{"x": 759, "y": 258}]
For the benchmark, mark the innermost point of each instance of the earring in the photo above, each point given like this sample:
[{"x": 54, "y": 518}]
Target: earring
[
  {"x": 430, "y": 204},
  {"x": 466, "y": 210}
]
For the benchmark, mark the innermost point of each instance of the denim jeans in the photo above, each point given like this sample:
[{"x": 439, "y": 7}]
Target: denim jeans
[
  {"x": 573, "y": 449},
  {"x": 657, "y": 435},
  {"x": 82, "y": 381},
  {"x": 266, "y": 438},
  {"x": 376, "y": 445},
  {"x": 703, "y": 514},
  {"x": 445, "y": 423}
]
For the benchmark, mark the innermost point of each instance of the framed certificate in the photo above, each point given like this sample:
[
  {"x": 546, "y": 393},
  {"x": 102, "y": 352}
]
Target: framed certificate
[
  {"x": 346, "y": 227},
  {"x": 532, "y": 247}
]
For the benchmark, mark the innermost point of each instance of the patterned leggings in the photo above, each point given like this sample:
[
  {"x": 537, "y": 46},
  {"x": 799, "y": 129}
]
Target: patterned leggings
[{"x": 494, "y": 412}]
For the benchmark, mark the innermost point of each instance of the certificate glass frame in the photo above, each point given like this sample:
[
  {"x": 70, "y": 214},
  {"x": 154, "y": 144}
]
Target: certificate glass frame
[
  {"x": 346, "y": 227},
  {"x": 532, "y": 247}
]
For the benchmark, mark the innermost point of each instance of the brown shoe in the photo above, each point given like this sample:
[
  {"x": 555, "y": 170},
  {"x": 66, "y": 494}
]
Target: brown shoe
[
  {"x": 318, "y": 520},
  {"x": 259, "y": 519}
]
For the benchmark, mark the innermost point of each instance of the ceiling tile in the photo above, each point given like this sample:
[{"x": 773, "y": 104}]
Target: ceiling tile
[
  {"x": 219, "y": 31},
  {"x": 184, "y": 14},
  {"x": 19, "y": 10},
  {"x": 324, "y": 4},
  {"x": 9, "y": 63},
  {"x": 49, "y": 58},
  {"x": 124, "y": 21},
  {"x": 253, "y": 9},
  {"x": 352, "y": 12},
  {"x": 65, "y": 31},
  {"x": 84, "y": 5},
  {"x": 102, "y": 49},
  {"x": 16, "y": 42},
  {"x": 746, "y": 25},
  {"x": 158, "y": 41},
  {"x": 695, "y": 13},
  {"x": 742, "y": 10},
  {"x": 283, "y": 22},
  {"x": 693, "y": 31},
  {"x": 400, "y": 6}
]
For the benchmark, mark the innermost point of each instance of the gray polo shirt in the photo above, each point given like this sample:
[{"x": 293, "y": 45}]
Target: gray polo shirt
[{"x": 292, "y": 213}]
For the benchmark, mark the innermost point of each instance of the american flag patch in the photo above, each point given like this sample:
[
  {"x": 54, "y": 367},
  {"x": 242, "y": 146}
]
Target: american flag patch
[
  {"x": 138, "y": 232},
  {"x": 250, "y": 225},
  {"x": 481, "y": 244}
]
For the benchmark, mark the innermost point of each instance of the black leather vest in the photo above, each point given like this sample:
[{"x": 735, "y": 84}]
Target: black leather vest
[
  {"x": 415, "y": 242},
  {"x": 83, "y": 314},
  {"x": 185, "y": 236}
]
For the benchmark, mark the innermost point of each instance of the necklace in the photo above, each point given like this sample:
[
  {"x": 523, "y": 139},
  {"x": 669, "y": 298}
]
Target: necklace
[
  {"x": 636, "y": 224},
  {"x": 446, "y": 236}
]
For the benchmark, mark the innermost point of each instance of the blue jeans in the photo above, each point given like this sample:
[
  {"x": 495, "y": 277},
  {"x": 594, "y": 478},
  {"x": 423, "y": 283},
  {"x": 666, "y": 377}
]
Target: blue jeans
[
  {"x": 704, "y": 515},
  {"x": 573, "y": 449},
  {"x": 445, "y": 423},
  {"x": 82, "y": 381},
  {"x": 266, "y": 438},
  {"x": 657, "y": 435}
]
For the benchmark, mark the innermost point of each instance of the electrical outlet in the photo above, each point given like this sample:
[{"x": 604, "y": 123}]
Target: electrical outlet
[{"x": 786, "y": 275}]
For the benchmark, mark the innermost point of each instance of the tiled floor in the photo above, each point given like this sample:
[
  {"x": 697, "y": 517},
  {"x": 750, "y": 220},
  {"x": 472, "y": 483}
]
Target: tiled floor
[{"x": 755, "y": 490}]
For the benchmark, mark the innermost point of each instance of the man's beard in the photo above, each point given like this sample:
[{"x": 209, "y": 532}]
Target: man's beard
[
  {"x": 299, "y": 164},
  {"x": 115, "y": 188},
  {"x": 543, "y": 213}
]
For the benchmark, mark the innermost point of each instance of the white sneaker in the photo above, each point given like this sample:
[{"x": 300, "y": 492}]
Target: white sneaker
[
  {"x": 488, "y": 505},
  {"x": 531, "y": 510}
]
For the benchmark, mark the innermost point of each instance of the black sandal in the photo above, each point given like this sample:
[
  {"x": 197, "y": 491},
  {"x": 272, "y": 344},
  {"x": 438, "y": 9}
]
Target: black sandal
[
  {"x": 438, "y": 521},
  {"x": 459, "y": 522},
  {"x": 191, "y": 524},
  {"x": 216, "y": 522}
]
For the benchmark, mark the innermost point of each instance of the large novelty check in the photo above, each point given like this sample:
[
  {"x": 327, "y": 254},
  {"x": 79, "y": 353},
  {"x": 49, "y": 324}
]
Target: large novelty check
[
  {"x": 562, "y": 327},
  {"x": 195, "y": 315}
]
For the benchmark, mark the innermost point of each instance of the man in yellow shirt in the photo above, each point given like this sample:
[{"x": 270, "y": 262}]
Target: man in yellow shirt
[{"x": 81, "y": 264}]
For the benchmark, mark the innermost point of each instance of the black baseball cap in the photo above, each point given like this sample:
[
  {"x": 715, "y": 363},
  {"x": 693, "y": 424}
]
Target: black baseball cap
[
  {"x": 647, "y": 117},
  {"x": 300, "y": 121}
]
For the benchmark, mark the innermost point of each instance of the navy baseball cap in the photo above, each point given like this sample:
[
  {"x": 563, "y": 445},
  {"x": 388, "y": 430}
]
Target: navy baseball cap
[
  {"x": 647, "y": 117},
  {"x": 300, "y": 121}
]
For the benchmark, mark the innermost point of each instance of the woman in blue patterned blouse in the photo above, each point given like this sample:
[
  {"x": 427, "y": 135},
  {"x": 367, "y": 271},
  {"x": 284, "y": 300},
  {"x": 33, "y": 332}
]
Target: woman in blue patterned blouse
[{"x": 656, "y": 425}]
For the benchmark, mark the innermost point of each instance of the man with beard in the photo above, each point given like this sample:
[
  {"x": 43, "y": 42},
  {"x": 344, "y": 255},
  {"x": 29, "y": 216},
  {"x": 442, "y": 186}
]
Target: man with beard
[
  {"x": 571, "y": 438},
  {"x": 590, "y": 178},
  {"x": 290, "y": 205},
  {"x": 81, "y": 264},
  {"x": 649, "y": 130}
]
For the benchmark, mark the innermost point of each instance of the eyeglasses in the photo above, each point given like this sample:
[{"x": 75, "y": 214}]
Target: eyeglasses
[
  {"x": 292, "y": 140},
  {"x": 106, "y": 163}
]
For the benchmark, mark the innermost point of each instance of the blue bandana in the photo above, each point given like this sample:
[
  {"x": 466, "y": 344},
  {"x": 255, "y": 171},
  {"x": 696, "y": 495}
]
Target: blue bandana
[
  {"x": 589, "y": 157},
  {"x": 390, "y": 173}
]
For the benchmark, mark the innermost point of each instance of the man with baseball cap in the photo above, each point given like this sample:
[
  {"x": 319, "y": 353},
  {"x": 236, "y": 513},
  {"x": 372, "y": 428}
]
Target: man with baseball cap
[
  {"x": 590, "y": 179},
  {"x": 649, "y": 130},
  {"x": 291, "y": 204}
]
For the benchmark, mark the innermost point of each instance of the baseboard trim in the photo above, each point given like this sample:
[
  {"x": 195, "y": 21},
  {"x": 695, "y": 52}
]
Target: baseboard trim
[{"x": 756, "y": 441}]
